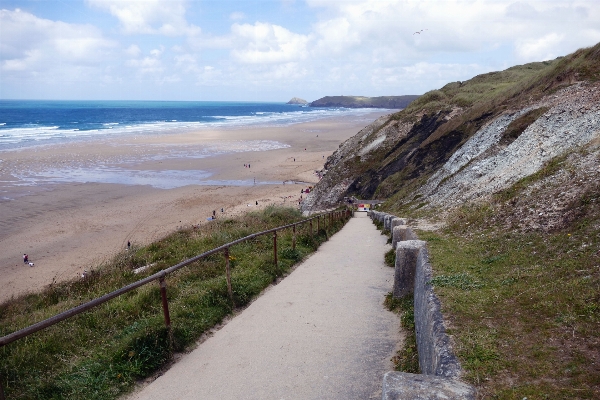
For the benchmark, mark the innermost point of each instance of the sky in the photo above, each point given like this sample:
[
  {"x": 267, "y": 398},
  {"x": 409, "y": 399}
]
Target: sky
[{"x": 273, "y": 50}]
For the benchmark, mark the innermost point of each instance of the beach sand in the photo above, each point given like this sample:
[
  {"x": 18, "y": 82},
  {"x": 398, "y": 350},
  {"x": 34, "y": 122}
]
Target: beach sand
[{"x": 67, "y": 228}]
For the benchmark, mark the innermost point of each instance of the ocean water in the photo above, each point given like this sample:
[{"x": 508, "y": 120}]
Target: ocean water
[{"x": 25, "y": 123}]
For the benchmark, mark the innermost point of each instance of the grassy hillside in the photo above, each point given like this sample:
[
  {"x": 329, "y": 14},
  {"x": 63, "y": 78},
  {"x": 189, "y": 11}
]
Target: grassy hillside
[
  {"x": 520, "y": 287},
  {"x": 518, "y": 272},
  {"x": 393, "y": 102},
  {"x": 434, "y": 126}
]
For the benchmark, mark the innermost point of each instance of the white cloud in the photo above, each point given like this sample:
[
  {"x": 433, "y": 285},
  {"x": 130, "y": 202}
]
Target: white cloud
[
  {"x": 151, "y": 64},
  {"x": 267, "y": 43},
  {"x": 133, "y": 51},
  {"x": 539, "y": 49},
  {"x": 452, "y": 25},
  {"x": 187, "y": 63},
  {"x": 365, "y": 47},
  {"x": 35, "y": 45},
  {"x": 166, "y": 17},
  {"x": 237, "y": 16}
]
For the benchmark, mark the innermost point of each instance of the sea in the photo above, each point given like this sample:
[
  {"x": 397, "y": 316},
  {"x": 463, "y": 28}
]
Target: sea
[
  {"x": 28, "y": 124},
  {"x": 25, "y": 123}
]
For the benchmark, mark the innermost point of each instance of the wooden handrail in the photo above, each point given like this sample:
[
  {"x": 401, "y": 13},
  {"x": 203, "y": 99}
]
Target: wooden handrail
[{"x": 161, "y": 275}]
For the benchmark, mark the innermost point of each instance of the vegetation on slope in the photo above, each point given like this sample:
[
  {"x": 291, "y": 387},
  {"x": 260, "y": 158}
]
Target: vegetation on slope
[
  {"x": 518, "y": 273},
  {"x": 520, "y": 283},
  {"x": 393, "y": 102},
  {"x": 100, "y": 354},
  {"x": 422, "y": 137}
]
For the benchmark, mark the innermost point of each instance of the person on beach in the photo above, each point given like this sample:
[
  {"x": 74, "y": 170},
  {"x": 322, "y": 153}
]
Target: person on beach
[
  {"x": 128, "y": 245},
  {"x": 25, "y": 258}
]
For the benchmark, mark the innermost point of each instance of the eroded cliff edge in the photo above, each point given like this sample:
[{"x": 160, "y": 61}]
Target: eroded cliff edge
[{"x": 471, "y": 139}]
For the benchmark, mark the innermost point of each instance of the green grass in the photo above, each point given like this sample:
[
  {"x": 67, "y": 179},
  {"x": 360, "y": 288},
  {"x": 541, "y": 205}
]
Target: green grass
[
  {"x": 524, "y": 306},
  {"x": 100, "y": 354},
  {"x": 524, "y": 309},
  {"x": 390, "y": 258},
  {"x": 518, "y": 126},
  {"x": 407, "y": 358}
]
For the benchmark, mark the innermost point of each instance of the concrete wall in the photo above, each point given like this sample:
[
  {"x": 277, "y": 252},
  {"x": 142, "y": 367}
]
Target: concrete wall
[{"x": 412, "y": 274}]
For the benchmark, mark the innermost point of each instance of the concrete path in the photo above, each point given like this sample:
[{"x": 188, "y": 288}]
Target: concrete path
[{"x": 321, "y": 333}]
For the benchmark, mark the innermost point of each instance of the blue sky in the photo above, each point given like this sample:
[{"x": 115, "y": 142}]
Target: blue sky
[{"x": 275, "y": 49}]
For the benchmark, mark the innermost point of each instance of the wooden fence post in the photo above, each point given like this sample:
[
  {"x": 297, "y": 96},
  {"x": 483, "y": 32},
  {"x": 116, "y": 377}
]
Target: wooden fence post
[
  {"x": 294, "y": 238},
  {"x": 275, "y": 247},
  {"x": 228, "y": 276},
  {"x": 165, "y": 303},
  {"x": 1, "y": 389}
]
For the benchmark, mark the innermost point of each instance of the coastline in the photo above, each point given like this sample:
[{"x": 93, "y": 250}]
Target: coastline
[{"x": 69, "y": 227}]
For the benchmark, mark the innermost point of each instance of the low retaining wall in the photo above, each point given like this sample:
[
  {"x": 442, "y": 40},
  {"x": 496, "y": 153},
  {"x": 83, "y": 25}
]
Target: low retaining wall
[{"x": 440, "y": 366}]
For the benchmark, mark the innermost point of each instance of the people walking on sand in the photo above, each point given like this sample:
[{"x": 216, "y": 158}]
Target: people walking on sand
[
  {"x": 128, "y": 245},
  {"x": 25, "y": 258}
]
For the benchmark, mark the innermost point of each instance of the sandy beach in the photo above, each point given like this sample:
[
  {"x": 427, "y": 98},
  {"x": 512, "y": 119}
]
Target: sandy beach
[{"x": 77, "y": 220}]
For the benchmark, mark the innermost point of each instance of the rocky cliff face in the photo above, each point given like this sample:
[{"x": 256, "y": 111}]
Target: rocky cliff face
[
  {"x": 483, "y": 165},
  {"x": 453, "y": 146}
]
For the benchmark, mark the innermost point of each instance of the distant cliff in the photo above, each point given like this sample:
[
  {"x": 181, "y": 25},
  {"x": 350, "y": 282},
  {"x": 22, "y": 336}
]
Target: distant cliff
[
  {"x": 298, "y": 101},
  {"x": 393, "y": 102}
]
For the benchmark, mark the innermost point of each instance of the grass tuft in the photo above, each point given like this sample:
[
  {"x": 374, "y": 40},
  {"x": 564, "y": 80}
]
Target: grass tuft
[{"x": 407, "y": 358}]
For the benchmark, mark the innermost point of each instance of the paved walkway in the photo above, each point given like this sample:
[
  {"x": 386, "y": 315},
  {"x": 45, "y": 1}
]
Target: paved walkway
[{"x": 321, "y": 333}]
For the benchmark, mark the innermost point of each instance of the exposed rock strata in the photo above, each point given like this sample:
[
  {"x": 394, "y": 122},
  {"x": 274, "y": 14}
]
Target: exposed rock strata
[
  {"x": 480, "y": 167},
  {"x": 469, "y": 140}
]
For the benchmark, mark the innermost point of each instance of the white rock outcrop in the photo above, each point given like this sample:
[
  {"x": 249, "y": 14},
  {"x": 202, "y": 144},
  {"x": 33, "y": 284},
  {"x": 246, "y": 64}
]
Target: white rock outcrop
[{"x": 481, "y": 166}]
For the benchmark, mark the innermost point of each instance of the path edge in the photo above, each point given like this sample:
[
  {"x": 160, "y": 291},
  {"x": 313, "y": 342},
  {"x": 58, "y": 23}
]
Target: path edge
[{"x": 412, "y": 275}]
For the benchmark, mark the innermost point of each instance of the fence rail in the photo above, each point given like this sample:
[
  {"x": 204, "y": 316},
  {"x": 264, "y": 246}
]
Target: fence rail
[
  {"x": 328, "y": 219},
  {"x": 161, "y": 278}
]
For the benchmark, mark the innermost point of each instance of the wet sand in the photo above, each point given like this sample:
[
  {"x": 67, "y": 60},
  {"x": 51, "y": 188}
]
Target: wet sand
[{"x": 66, "y": 226}]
